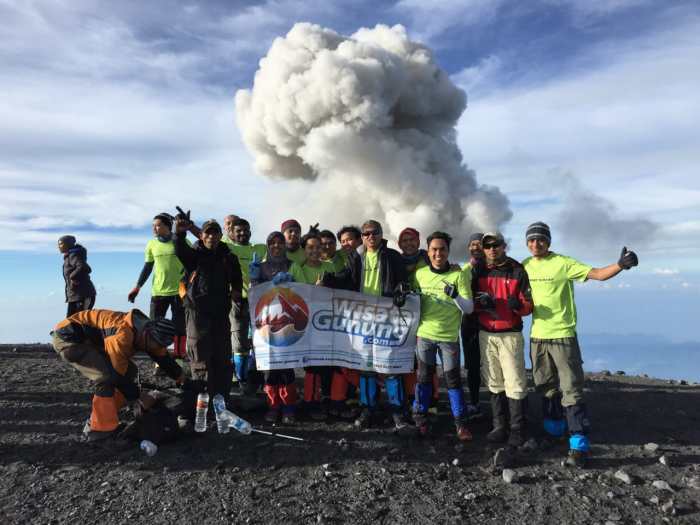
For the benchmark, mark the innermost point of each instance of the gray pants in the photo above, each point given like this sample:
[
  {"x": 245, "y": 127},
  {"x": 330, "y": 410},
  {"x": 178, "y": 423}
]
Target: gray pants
[
  {"x": 557, "y": 367},
  {"x": 240, "y": 323},
  {"x": 426, "y": 352}
]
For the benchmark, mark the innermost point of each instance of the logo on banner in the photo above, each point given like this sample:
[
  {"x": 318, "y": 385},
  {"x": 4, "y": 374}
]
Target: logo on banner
[
  {"x": 375, "y": 324},
  {"x": 281, "y": 317}
]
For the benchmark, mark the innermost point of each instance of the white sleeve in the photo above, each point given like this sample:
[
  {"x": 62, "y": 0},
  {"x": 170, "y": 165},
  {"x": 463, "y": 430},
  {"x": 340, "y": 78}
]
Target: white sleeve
[{"x": 466, "y": 305}]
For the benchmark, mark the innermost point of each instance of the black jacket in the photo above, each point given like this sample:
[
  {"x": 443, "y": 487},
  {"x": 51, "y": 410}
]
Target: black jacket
[
  {"x": 392, "y": 271},
  {"x": 76, "y": 274},
  {"x": 212, "y": 277}
]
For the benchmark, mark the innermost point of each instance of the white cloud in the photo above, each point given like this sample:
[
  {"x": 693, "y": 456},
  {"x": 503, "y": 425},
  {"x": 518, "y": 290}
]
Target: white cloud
[
  {"x": 624, "y": 122},
  {"x": 665, "y": 271}
]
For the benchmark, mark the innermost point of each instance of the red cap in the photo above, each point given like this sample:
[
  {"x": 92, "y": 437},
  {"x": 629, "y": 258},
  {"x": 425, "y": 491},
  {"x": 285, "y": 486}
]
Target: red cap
[
  {"x": 409, "y": 230},
  {"x": 290, "y": 223}
]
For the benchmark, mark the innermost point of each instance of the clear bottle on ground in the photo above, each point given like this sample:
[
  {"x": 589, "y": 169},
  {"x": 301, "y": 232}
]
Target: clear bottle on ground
[
  {"x": 200, "y": 418},
  {"x": 238, "y": 423},
  {"x": 222, "y": 421}
]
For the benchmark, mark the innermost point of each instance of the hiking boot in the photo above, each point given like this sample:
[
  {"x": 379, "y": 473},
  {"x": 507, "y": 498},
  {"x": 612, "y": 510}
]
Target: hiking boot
[
  {"x": 518, "y": 422},
  {"x": 95, "y": 436},
  {"x": 463, "y": 433},
  {"x": 499, "y": 411},
  {"x": 473, "y": 411},
  {"x": 576, "y": 459},
  {"x": 272, "y": 415},
  {"x": 497, "y": 435},
  {"x": 364, "y": 420}
]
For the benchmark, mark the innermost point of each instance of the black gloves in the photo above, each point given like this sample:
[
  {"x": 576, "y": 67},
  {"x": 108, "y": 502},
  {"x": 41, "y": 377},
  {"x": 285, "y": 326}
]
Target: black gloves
[
  {"x": 514, "y": 303},
  {"x": 451, "y": 290},
  {"x": 627, "y": 259},
  {"x": 400, "y": 293},
  {"x": 484, "y": 301}
]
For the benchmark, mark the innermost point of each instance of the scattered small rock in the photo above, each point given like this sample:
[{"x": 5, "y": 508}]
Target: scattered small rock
[
  {"x": 662, "y": 485},
  {"x": 671, "y": 382},
  {"x": 610, "y": 494},
  {"x": 651, "y": 447},
  {"x": 529, "y": 445},
  {"x": 654, "y": 500},
  {"x": 470, "y": 497},
  {"x": 509, "y": 475},
  {"x": 502, "y": 458},
  {"x": 664, "y": 461},
  {"x": 623, "y": 476},
  {"x": 694, "y": 483},
  {"x": 558, "y": 489},
  {"x": 668, "y": 507},
  {"x": 615, "y": 516},
  {"x": 683, "y": 382},
  {"x": 637, "y": 503},
  {"x": 455, "y": 462},
  {"x": 605, "y": 373}
]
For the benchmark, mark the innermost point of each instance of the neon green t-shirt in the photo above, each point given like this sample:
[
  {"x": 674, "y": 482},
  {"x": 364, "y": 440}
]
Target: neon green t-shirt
[
  {"x": 303, "y": 273},
  {"x": 551, "y": 281},
  {"x": 440, "y": 317},
  {"x": 339, "y": 260},
  {"x": 298, "y": 256},
  {"x": 245, "y": 257},
  {"x": 370, "y": 274},
  {"x": 167, "y": 268}
]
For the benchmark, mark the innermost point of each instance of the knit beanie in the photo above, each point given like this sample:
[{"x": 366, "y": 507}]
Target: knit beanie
[{"x": 538, "y": 230}]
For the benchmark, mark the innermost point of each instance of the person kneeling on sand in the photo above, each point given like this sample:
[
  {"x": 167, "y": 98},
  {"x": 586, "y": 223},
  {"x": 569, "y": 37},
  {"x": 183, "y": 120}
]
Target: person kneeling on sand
[{"x": 100, "y": 345}]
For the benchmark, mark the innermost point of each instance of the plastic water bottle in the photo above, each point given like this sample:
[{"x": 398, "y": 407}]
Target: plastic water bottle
[
  {"x": 200, "y": 418},
  {"x": 222, "y": 421},
  {"x": 238, "y": 423},
  {"x": 149, "y": 447}
]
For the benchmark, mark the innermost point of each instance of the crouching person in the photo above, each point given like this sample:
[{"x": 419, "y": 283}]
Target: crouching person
[
  {"x": 100, "y": 345},
  {"x": 213, "y": 277}
]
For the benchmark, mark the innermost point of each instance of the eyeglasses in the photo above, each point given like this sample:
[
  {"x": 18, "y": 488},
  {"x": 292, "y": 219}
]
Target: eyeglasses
[
  {"x": 492, "y": 245},
  {"x": 372, "y": 233}
]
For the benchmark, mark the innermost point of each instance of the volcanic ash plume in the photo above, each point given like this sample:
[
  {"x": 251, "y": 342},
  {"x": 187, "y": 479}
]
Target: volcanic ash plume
[{"x": 370, "y": 120}]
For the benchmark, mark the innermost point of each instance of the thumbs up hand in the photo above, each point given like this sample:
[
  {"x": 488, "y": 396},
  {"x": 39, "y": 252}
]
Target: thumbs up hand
[{"x": 627, "y": 259}]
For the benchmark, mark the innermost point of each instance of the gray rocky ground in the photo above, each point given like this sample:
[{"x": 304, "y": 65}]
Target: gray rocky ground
[{"x": 341, "y": 474}]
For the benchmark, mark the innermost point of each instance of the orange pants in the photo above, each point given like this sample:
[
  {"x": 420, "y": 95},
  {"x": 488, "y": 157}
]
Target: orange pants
[
  {"x": 105, "y": 411},
  {"x": 339, "y": 384}
]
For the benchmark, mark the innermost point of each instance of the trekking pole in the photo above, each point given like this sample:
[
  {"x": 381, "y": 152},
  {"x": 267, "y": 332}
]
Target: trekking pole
[{"x": 275, "y": 434}]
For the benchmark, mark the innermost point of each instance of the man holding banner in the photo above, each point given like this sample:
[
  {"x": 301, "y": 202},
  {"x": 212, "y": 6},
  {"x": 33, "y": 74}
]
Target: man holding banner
[
  {"x": 445, "y": 295},
  {"x": 374, "y": 269}
]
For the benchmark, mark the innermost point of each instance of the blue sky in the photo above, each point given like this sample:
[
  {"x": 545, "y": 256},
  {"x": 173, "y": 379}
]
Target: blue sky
[{"x": 585, "y": 114}]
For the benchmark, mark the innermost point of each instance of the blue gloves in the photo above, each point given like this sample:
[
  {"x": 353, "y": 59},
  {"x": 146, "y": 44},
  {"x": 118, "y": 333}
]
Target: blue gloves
[
  {"x": 282, "y": 277},
  {"x": 254, "y": 268}
]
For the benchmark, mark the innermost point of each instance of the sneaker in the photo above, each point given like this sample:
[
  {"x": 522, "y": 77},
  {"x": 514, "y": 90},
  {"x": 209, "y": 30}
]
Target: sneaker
[
  {"x": 272, "y": 415},
  {"x": 463, "y": 433},
  {"x": 576, "y": 459},
  {"x": 364, "y": 419}
]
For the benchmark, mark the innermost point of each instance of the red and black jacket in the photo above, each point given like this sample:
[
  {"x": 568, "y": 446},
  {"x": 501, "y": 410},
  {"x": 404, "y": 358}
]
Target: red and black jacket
[{"x": 501, "y": 282}]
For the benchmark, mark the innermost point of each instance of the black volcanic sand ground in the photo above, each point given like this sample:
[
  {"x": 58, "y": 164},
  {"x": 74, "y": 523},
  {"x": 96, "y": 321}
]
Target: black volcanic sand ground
[{"x": 340, "y": 474}]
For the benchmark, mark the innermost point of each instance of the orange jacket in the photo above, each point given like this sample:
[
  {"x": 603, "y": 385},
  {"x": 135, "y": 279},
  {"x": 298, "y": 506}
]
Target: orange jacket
[{"x": 114, "y": 330}]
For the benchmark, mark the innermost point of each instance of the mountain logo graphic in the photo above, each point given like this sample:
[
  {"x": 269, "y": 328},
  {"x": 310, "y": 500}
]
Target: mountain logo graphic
[{"x": 281, "y": 317}]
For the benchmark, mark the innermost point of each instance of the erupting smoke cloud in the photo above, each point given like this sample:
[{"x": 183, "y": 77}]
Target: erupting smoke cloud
[{"x": 371, "y": 120}]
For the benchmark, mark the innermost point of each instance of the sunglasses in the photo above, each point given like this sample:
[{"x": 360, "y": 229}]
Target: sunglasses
[
  {"x": 371, "y": 233},
  {"x": 492, "y": 245}
]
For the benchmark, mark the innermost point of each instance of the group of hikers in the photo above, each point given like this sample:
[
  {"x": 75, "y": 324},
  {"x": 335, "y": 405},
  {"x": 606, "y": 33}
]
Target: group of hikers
[{"x": 475, "y": 310}]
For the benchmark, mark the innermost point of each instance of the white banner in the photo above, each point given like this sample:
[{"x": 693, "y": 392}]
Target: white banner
[{"x": 297, "y": 325}]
